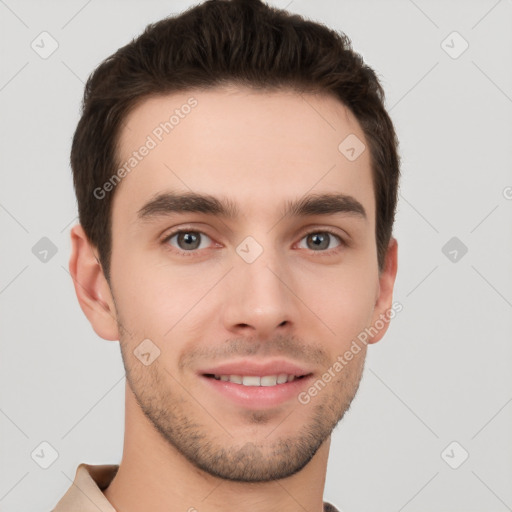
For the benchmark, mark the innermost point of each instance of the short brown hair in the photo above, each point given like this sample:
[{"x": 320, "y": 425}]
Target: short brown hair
[{"x": 241, "y": 42}]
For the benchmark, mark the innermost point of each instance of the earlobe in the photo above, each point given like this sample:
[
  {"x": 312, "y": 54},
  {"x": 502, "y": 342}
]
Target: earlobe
[
  {"x": 91, "y": 287},
  {"x": 383, "y": 305}
]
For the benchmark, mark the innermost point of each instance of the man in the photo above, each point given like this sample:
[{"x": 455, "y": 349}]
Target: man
[{"x": 260, "y": 140}]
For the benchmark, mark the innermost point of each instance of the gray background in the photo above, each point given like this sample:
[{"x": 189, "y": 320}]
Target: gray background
[{"x": 442, "y": 372}]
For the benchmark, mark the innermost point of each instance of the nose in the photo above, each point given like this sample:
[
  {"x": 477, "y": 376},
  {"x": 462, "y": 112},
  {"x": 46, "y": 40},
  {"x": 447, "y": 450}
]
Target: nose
[{"x": 258, "y": 299}]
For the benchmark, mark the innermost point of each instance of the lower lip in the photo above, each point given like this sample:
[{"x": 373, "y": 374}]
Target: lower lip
[{"x": 258, "y": 397}]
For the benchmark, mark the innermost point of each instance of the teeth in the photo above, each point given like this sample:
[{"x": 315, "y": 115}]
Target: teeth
[
  {"x": 252, "y": 380},
  {"x": 282, "y": 378},
  {"x": 269, "y": 380}
]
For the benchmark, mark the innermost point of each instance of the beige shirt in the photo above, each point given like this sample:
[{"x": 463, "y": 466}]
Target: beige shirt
[{"x": 85, "y": 494}]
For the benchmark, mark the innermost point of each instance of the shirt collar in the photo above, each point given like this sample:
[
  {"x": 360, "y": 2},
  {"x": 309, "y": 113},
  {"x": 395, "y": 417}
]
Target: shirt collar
[{"x": 85, "y": 494}]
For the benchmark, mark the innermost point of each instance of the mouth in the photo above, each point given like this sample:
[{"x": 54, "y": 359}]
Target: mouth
[{"x": 255, "y": 388}]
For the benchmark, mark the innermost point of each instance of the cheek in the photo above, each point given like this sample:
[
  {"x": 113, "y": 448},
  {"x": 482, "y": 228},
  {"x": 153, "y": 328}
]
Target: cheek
[
  {"x": 153, "y": 295},
  {"x": 144, "y": 296},
  {"x": 343, "y": 299}
]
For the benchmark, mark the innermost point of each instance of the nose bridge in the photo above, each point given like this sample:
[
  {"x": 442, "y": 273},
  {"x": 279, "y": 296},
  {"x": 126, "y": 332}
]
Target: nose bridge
[
  {"x": 258, "y": 265},
  {"x": 259, "y": 295}
]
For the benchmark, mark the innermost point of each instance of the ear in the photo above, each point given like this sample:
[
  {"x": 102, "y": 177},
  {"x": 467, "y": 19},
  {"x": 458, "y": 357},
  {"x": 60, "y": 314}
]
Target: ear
[
  {"x": 91, "y": 287},
  {"x": 384, "y": 300}
]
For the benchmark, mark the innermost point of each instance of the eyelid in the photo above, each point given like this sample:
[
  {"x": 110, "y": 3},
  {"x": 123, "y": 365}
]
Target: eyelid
[
  {"x": 185, "y": 229},
  {"x": 342, "y": 240},
  {"x": 325, "y": 229},
  {"x": 170, "y": 232},
  {"x": 310, "y": 230}
]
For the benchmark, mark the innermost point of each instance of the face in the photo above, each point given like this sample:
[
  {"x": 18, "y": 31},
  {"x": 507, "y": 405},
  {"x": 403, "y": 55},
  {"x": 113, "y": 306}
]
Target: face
[{"x": 232, "y": 280}]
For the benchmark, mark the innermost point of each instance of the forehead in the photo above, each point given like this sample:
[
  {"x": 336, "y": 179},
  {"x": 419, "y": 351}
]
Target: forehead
[{"x": 253, "y": 146}]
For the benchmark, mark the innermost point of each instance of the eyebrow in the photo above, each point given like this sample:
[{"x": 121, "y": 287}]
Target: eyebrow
[{"x": 168, "y": 203}]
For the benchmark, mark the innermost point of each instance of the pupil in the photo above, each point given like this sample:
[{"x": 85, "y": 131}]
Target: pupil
[
  {"x": 320, "y": 240},
  {"x": 189, "y": 238}
]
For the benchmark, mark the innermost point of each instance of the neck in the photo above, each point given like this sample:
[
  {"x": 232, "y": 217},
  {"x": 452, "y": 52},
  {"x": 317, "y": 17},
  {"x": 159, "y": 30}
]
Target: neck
[{"x": 154, "y": 476}]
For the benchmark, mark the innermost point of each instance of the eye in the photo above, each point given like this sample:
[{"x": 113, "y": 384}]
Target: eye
[
  {"x": 187, "y": 240},
  {"x": 320, "y": 241}
]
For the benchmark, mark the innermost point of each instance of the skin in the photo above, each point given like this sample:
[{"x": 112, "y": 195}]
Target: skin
[{"x": 185, "y": 446}]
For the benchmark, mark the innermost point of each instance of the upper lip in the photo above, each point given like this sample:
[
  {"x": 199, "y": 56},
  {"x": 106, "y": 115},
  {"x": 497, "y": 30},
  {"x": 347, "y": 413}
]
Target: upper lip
[{"x": 245, "y": 367}]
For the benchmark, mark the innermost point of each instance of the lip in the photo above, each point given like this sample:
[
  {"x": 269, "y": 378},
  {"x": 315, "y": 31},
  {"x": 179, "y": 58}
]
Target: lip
[
  {"x": 254, "y": 368},
  {"x": 258, "y": 397}
]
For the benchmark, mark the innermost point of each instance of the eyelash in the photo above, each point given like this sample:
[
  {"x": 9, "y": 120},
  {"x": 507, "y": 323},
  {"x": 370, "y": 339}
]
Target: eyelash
[{"x": 194, "y": 252}]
